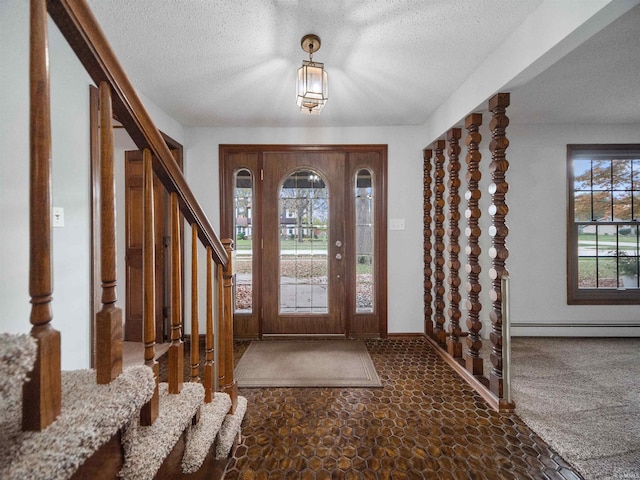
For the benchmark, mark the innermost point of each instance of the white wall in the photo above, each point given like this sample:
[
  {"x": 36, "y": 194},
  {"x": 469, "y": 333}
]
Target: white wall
[
  {"x": 537, "y": 200},
  {"x": 405, "y": 254},
  {"x": 70, "y": 185}
]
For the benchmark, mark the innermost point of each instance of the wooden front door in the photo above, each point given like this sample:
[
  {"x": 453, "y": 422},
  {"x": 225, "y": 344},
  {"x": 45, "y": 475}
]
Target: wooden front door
[{"x": 309, "y": 224}]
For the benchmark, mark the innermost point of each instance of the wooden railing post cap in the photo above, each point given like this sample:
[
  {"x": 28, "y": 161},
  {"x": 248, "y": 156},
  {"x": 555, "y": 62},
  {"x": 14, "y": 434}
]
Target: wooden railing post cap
[
  {"x": 228, "y": 243},
  {"x": 499, "y": 100},
  {"x": 454, "y": 133},
  {"x": 439, "y": 145},
  {"x": 473, "y": 119}
]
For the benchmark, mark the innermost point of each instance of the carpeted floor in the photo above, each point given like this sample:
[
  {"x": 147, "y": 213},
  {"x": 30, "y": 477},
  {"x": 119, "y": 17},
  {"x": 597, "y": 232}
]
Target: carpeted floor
[
  {"x": 306, "y": 363},
  {"x": 582, "y": 395}
]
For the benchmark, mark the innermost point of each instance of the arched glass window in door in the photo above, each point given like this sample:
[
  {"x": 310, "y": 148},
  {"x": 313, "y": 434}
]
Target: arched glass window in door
[
  {"x": 304, "y": 232},
  {"x": 364, "y": 242},
  {"x": 242, "y": 229}
]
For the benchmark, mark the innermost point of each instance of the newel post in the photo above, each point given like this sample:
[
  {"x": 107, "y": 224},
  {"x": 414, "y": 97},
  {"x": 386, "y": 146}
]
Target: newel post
[
  {"x": 43, "y": 392},
  {"x": 230, "y": 386}
]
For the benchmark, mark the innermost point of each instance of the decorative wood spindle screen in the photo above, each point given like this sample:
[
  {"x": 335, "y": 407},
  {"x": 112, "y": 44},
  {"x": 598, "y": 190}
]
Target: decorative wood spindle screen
[
  {"x": 438, "y": 261},
  {"x": 473, "y": 362},
  {"x": 454, "y": 347},
  {"x": 498, "y": 230},
  {"x": 428, "y": 245}
]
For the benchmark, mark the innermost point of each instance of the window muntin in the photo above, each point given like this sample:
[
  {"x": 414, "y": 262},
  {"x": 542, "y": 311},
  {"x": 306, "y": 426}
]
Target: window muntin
[{"x": 603, "y": 235}]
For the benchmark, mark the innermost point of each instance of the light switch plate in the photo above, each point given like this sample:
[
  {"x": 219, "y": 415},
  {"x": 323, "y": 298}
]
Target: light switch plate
[
  {"x": 58, "y": 217},
  {"x": 396, "y": 224}
]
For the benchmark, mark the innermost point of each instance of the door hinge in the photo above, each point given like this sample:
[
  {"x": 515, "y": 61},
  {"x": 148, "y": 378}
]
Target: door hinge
[
  {"x": 261, "y": 244},
  {"x": 261, "y": 174}
]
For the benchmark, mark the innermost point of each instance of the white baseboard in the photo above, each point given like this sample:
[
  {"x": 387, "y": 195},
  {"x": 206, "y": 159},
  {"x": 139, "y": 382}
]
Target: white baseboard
[{"x": 575, "y": 329}]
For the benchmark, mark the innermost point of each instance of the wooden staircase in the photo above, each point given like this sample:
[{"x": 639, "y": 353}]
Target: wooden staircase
[{"x": 109, "y": 422}]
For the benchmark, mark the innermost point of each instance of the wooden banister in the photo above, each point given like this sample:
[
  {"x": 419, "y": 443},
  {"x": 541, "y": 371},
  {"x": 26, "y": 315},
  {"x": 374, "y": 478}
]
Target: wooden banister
[
  {"x": 150, "y": 410},
  {"x": 108, "y": 359},
  {"x": 195, "y": 328},
  {"x": 438, "y": 246},
  {"x": 176, "y": 350},
  {"x": 230, "y": 386},
  {"x": 428, "y": 241},
  {"x": 43, "y": 389},
  {"x": 80, "y": 28},
  {"x": 209, "y": 365}
]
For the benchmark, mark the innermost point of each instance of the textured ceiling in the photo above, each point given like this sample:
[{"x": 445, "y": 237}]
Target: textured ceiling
[
  {"x": 391, "y": 62},
  {"x": 233, "y": 63}
]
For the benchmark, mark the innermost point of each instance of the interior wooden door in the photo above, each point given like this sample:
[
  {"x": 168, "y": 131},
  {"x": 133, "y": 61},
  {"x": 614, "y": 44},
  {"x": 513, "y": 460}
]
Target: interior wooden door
[
  {"x": 133, "y": 259},
  {"x": 303, "y": 232}
]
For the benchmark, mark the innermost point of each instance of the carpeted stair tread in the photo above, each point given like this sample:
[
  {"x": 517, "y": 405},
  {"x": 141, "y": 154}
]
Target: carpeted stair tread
[
  {"x": 145, "y": 448},
  {"x": 91, "y": 414},
  {"x": 230, "y": 429},
  {"x": 17, "y": 357},
  {"x": 200, "y": 437}
]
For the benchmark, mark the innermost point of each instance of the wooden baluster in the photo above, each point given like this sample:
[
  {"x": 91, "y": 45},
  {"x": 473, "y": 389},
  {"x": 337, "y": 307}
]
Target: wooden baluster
[
  {"x": 473, "y": 361},
  {"x": 176, "y": 350},
  {"x": 498, "y": 230},
  {"x": 108, "y": 359},
  {"x": 428, "y": 245},
  {"x": 454, "y": 347},
  {"x": 439, "y": 332},
  {"x": 195, "y": 329},
  {"x": 220, "y": 340},
  {"x": 149, "y": 411},
  {"x": 42, "y": 393},
  {"x": 208, "y": 346},
  {"x": 230, "y": 385}
]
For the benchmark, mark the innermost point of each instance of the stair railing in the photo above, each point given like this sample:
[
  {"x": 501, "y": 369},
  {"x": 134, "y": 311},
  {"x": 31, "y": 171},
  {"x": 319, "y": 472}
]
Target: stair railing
[{"x": 42, "y": 393}]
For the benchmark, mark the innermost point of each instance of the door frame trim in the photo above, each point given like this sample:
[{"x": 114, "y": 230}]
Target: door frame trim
[{"x": 226, "y": 220}]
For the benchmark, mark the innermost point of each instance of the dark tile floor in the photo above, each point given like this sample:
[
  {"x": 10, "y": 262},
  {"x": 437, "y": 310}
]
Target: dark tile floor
[{"x": 424, "y": 423}]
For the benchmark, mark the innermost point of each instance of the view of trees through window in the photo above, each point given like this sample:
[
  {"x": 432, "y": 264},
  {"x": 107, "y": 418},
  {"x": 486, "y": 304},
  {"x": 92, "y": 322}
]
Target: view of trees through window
[{"x": 604, "y": 229}]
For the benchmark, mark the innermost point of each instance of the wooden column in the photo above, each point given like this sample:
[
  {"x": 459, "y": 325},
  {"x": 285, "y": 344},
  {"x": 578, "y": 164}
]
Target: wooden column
[
  {"x": 438, "y": 261},
  {"x": 195, "y": 328},
  {"x": 149, "y": 411},
  {"x": 108, "y": 359},
  {"x": 428, "y": 245},
  {"x": 176, "y": 350},
  {"x": 208, "y": 345},
  {"x": 498, "y": 230},
  {"x": 230, "y": 385},
  {"x": 454, "y": 347},
  {"x": 473, "y": 361},
  {"x": 42, "y": 393}
]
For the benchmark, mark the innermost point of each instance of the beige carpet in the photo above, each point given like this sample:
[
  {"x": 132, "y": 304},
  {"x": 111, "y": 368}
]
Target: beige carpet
[
  {"x": 307, "y": 363},
  {"x": 582, "y": 396}
]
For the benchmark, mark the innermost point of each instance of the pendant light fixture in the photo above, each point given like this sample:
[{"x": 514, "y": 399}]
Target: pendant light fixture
[{"x": 312, "y": 86}]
